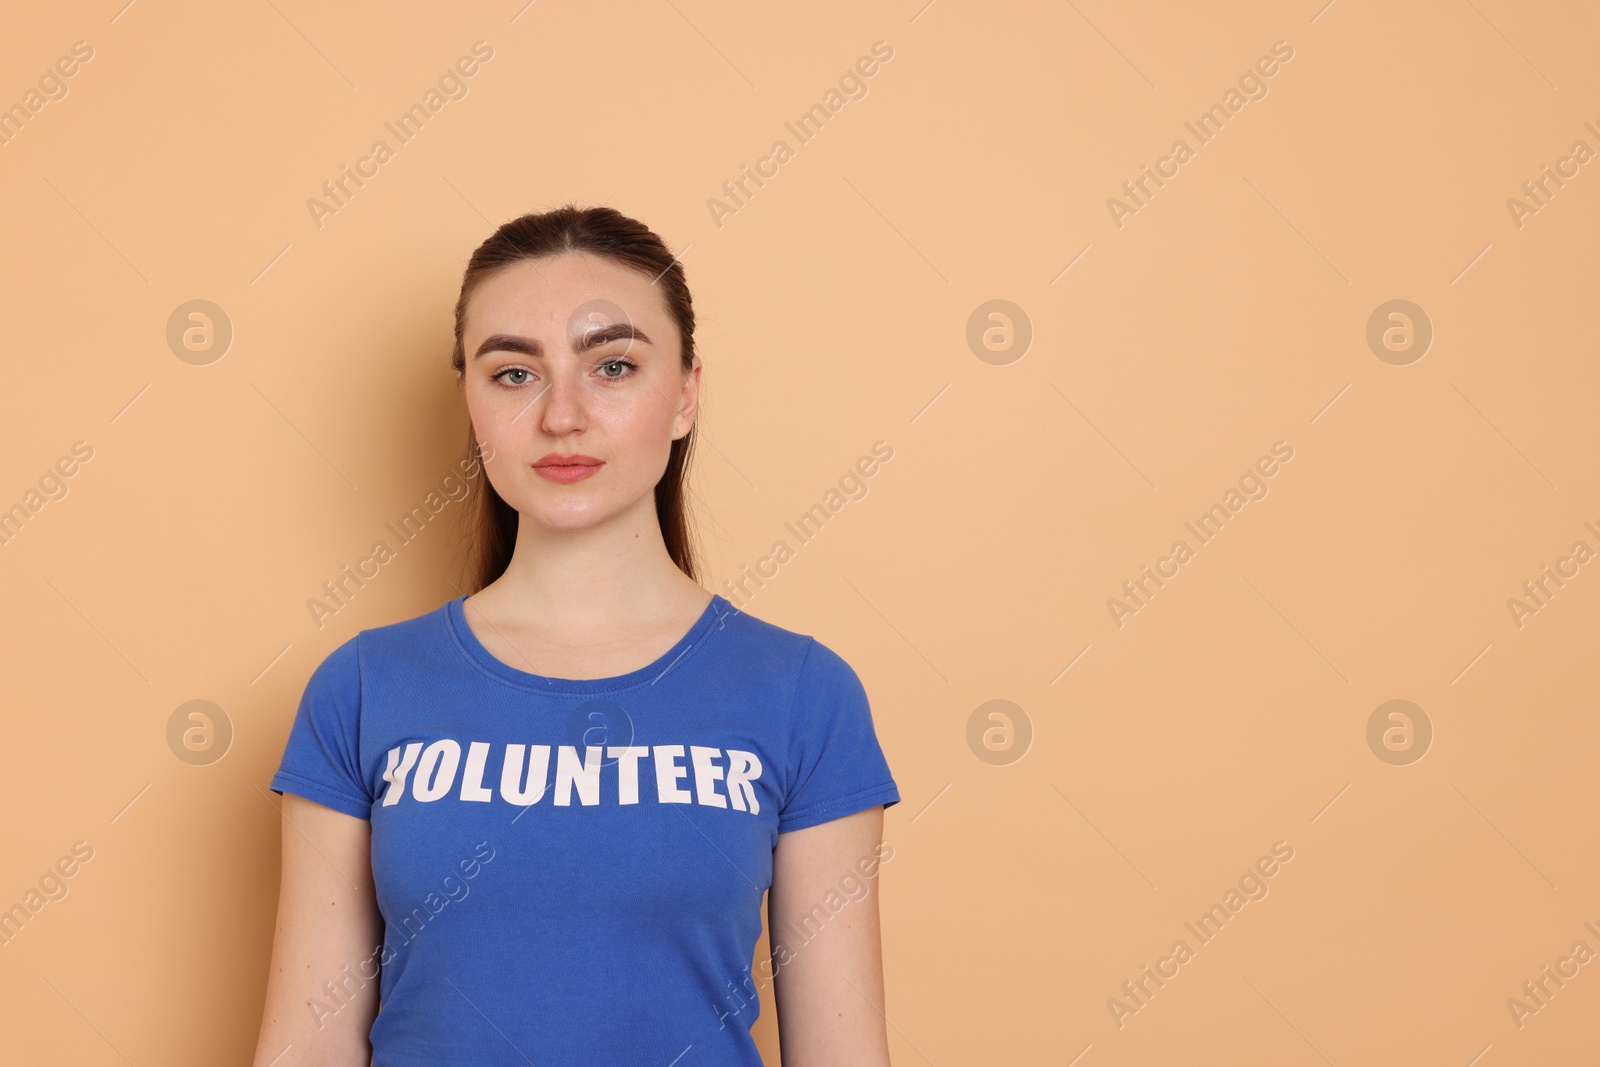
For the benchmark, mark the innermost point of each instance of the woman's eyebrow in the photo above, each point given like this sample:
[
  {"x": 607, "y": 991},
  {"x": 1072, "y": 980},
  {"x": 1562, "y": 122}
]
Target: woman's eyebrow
[
  {"x": 507, "y": 342},
  {"x": 616, "y": 331}
]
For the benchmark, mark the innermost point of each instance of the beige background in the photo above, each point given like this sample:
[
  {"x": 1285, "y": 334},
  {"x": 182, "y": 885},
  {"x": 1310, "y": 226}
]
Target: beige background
[{"x": 1228, "y": 313}]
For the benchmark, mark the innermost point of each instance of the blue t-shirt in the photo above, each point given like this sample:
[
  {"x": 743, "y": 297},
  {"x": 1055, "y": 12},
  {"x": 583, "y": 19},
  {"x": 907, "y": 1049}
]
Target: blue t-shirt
[{"x": 571, "y": 871}]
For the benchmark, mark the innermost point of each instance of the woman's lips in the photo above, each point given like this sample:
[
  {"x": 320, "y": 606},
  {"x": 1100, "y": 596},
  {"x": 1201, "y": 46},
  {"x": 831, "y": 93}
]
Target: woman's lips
[{"x": 566, "y": 472}]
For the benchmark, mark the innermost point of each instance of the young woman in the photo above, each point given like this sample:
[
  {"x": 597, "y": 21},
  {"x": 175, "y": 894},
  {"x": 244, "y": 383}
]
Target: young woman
[{"x": 537, "y": 822}]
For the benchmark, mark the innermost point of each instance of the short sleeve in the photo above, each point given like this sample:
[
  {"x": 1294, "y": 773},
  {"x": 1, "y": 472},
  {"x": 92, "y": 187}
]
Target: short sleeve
[
  {"x": 836, "y": 766},
  {"x": 321, "y": 759}
]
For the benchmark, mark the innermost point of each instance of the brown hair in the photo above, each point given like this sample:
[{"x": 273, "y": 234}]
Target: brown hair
[{"x": 491, "y": 523}]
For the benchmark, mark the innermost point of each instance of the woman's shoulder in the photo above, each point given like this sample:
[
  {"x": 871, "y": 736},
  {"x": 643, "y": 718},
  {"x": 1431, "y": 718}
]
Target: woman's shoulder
[
  {"x": 752, "y": 630},
  {"x": 403, "y": 636},
  {"x": 804, "y": 653}
]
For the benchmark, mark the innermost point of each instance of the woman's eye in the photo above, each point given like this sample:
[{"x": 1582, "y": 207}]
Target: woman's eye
[
  {"x": 625, "y": 368},
  {"x": 504, "y": 377}
]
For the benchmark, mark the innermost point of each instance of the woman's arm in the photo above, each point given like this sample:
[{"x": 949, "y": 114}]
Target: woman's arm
[
  {"x": 329, "y": 931},
  {"x": 828, "y": 979}
]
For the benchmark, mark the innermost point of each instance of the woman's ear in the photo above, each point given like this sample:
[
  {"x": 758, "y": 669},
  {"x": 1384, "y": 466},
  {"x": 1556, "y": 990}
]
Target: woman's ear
[{"x": 687, "y": 402}]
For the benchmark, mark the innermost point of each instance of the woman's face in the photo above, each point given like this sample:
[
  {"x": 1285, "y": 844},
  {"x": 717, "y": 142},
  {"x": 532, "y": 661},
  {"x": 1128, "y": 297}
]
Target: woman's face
[{"x": 574, "y": 387}]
